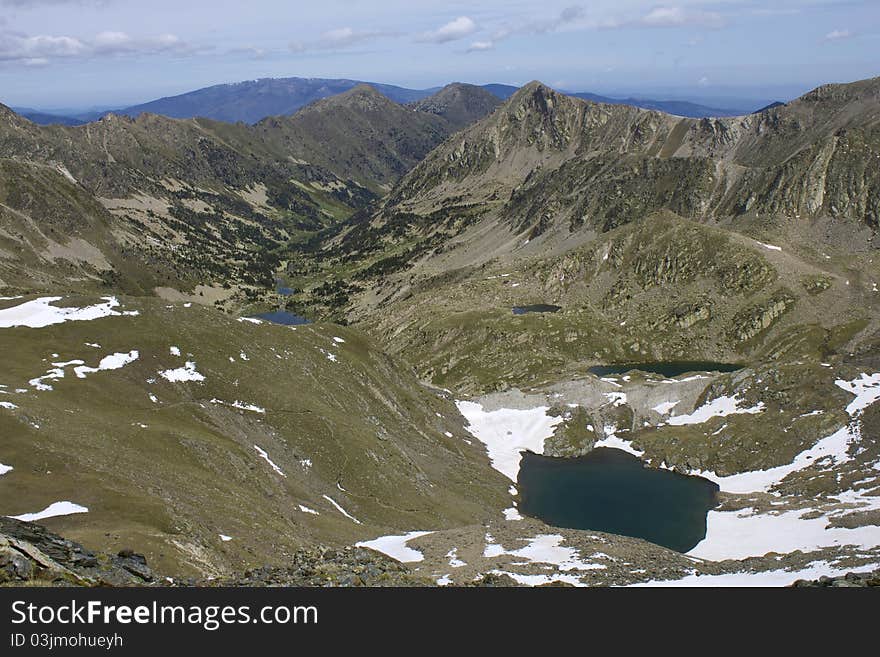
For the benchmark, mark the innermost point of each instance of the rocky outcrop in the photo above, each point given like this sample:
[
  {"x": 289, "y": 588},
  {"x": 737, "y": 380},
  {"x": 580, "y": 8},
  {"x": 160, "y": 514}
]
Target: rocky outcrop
[
  {"x": 30, "y": 553},
  {"x": 323, "y": 566},
  {"x": 759, "y": 318}
]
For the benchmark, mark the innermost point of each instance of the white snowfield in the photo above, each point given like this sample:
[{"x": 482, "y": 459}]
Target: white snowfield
[
  {"x": 718, "y": 407},
  {"x": 181, "y": 374},
  {"x": 396, "y": 546},
  {"x": 53, "y": 510},
  {"x": 866, "y": 388},
  {"x": 664, "y": 408},
  {"x": 544, "y": 549},
  {"x": 745, "y": 533},
  {"x": 39, "y": 313},
  {"x": 614, "y": 441},
  {"x": 512, "y": 514},
  {"x": 507, "y": 433},
  {"x": 814, "y": 570},
  {"x": 833, "y": 447}
]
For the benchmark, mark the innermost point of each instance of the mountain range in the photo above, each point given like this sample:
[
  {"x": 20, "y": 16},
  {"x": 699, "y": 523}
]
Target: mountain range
[
  {"x": 253, "y": 100},
  {"x": 467, "y": 262}
]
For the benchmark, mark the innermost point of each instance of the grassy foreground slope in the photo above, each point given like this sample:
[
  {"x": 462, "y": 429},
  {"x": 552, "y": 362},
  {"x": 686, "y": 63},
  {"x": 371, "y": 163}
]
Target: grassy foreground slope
[{"x": 285, "y": 425}]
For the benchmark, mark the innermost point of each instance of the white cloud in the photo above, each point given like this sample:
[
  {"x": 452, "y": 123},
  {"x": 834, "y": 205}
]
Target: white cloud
[
  {"x": 567, "y": 17},
  {"x": 339, "y": 38},
  {"x": 40, "y": 49},
  {"x": 677, "y": 17},
  {"x": 838, "y": 35},
  {"x": 452, "y": 31},
  {"x": 477, "y": 46}
]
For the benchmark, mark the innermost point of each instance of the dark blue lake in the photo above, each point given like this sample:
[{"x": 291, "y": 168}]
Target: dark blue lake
[
  {"x": 283, "y": 317},
  {"x": 667, "y": 368},
  {"x": 609, "y": 490},
  {"x": 536, "y": 308}
]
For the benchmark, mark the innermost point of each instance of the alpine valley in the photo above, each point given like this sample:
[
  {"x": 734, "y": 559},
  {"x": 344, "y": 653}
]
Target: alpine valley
[{"x": 498, "y": 290}]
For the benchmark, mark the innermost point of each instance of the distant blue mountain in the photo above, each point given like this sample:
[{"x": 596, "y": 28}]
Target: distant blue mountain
[
  {"x": 770, "y": 107},
  {"x": 254, "y": 100},
  {"x": 503, "y": 91},
  {"x": 43, "y": 118},
  {"x": 676, "y": 107}
]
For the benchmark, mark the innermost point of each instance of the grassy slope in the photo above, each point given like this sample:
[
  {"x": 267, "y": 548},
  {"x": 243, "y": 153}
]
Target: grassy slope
[{"x": 191, "y": 473}]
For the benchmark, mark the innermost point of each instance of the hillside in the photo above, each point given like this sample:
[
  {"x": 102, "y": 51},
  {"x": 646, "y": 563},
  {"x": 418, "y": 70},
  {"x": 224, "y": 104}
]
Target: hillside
[
  {"x": 232, "y": 428},
  {"x": 196, "y": 202},
  {"x": 677, "y": 238},
  {"x": 359, "y": 134}
]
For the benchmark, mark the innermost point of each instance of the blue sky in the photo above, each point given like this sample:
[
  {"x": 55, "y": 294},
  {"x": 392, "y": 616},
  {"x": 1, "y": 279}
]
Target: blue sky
[{"x": 86, "y": 53}]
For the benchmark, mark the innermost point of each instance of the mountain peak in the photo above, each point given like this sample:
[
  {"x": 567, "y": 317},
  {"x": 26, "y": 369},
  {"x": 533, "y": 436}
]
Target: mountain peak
[
  {"x": 459, "y": 103},
  {"x": 362, "y": 97},
  {"x": 535, "y": 93}
]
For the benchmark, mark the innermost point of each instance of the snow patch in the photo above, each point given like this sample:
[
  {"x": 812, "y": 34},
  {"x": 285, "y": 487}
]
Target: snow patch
[
  {"x": 265, "y": 456},
  {"x": 340, "y": 509},
  {"x": 53, "y": 510},
  {"x": 186, "y": 373},
  {"x": 718, "y": 407},
  {"x": 866, "y": 388},
  {"x": 508, "y": 432},
  {"x": 664, "y": 407},
  {"x": 112, "y": 362},
  {"x": 240, "y": 405},
  {"x": 454, "y": 561},
  {"x": 396, "y": 547},
  {"x": 512, "y": 513},
  {"x": 39, "y": 313},
  {"x": 546, "y": 548}
]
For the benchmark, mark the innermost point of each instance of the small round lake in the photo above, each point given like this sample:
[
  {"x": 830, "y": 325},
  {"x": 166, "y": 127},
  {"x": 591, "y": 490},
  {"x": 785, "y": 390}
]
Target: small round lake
[
  {"x": 536, "y": 308},
  {"x": 283, "y": 317},
  {"x": 665, "y": 368},
  {"x": 609, "y": 490}
]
